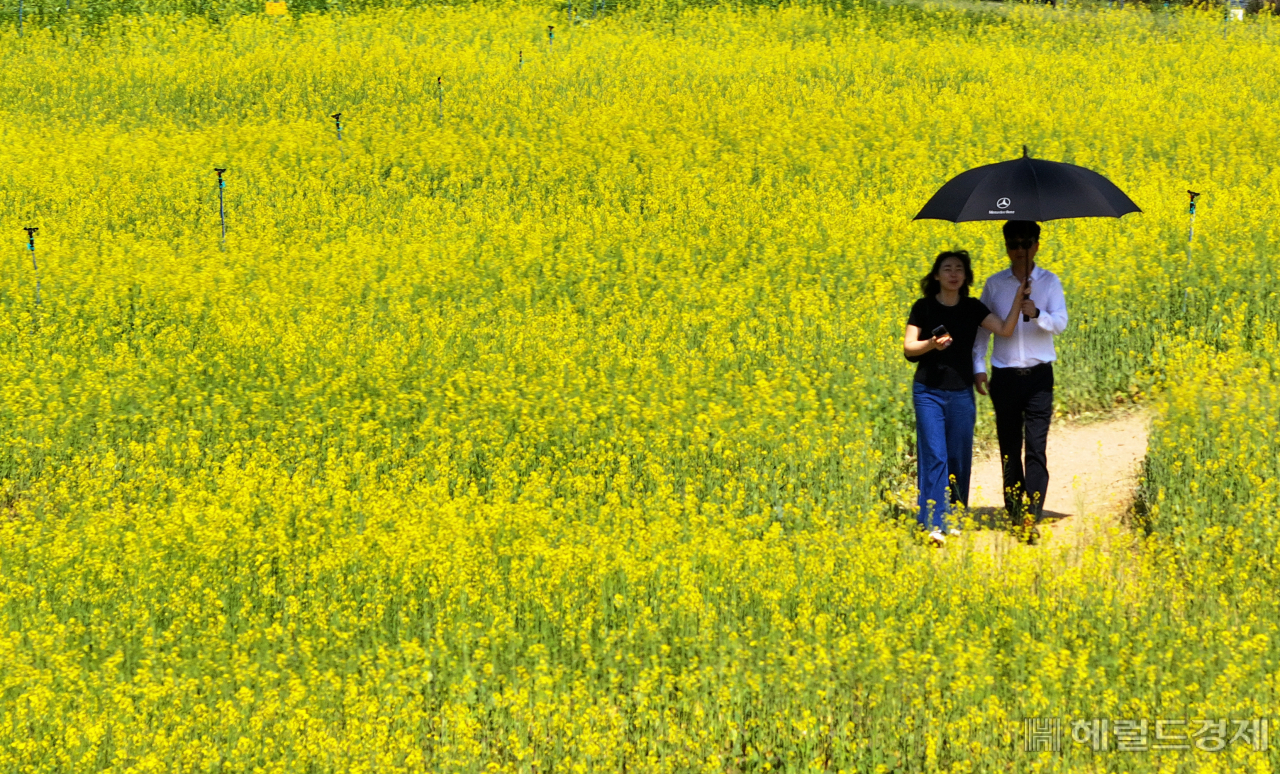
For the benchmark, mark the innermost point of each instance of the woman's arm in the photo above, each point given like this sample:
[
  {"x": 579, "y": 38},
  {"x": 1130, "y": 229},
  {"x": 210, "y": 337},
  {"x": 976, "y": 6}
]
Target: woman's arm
[
  {"x": 914, "y": 347},
  {"x": 1005, "y": 329}
]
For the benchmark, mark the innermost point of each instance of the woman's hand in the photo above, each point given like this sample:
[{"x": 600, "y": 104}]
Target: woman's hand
[
  {"x": 1024, "y": 294},
  {"x": 913, "y": 346},
  {"x": 1006, "y": 328}
]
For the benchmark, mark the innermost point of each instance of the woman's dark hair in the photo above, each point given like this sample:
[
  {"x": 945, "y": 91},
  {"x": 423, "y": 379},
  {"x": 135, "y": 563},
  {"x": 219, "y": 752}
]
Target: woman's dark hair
[{"x": 930, "y": 286}]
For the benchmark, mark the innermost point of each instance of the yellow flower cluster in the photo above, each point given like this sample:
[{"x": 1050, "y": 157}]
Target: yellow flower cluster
[{"x": 544, "y": 420}]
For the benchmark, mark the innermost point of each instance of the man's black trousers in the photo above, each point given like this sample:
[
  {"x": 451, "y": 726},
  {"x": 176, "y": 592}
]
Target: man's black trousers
[{"x": 1023, "y": 400}]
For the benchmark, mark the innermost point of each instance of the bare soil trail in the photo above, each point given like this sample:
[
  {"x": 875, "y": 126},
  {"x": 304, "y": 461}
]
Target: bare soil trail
[{"x": 1093, "y": 473}]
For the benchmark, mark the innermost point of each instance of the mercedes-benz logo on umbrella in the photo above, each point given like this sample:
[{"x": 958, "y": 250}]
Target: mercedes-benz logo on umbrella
[{"x": 1003, "y": 203}]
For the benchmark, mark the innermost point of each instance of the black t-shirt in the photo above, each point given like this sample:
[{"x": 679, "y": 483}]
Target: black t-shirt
[{"x": 950, "y": 368}]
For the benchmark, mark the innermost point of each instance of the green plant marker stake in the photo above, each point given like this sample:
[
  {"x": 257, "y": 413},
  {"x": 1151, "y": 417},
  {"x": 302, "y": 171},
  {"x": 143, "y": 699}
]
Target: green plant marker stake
[
  {"x": 337, "y": 122},
  {"x": 222, "y": 212},
  {"x": 31, "y": 245},
  {"x": 1192, "y": 232},
  {"x": 551, "y": 35},
  {"x": 19, "y": 18},
  {"x": 440, "y": 94}
]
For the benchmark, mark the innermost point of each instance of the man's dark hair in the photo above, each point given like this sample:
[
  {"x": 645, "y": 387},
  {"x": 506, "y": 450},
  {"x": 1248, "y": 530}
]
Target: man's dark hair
[
  {"x": 929, "y": 284},
  {"x": 1021, "y": 229}
]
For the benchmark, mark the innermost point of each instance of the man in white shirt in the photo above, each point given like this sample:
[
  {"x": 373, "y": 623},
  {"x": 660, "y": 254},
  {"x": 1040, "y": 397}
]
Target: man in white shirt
[{"x": 1022, "y": 371}]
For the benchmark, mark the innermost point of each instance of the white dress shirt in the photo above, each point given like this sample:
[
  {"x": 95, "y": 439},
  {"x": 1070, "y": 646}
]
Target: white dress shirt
[{"x": 1031, "y": 342}]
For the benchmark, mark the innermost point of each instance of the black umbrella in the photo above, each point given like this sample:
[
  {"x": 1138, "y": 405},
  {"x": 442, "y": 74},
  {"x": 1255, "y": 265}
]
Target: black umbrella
[{"x": 1027, "y": 189}]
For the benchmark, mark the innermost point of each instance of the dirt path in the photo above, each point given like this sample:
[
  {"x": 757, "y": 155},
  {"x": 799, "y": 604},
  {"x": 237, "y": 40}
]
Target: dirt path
[{"x": 1093, "y": 469}]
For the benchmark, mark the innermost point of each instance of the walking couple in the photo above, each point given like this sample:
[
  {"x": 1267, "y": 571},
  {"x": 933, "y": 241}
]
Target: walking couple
[{"x": 947, "y": 337}]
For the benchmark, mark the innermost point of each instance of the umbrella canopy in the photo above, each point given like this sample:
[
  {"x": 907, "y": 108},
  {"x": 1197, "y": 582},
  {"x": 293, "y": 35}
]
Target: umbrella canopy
[{"x": 1027, "y": 189}]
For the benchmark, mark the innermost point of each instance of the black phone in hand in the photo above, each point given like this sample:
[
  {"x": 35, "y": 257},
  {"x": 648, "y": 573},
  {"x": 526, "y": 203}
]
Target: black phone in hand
[{"x": 940, "y": 331}]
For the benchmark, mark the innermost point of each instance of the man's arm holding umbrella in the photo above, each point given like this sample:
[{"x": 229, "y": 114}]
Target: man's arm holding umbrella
[{"x": 1053, "y": 316}]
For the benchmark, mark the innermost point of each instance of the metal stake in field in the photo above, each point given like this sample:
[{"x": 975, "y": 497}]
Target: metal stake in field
[
  {"x": 520, "y": 66},
  {"x": 31, "y": 245},
  {"x": 1192, "y": 231},
  {"x": 222, "y": 212},
  {"x": 337, "y": 122},
  {"x": 551, "y": 35},
  {"x": 440, "y": 94},
  {"x": 19, "y": 18}
]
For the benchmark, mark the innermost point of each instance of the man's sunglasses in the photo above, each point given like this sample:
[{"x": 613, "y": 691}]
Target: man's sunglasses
[{"x": 1019, "y": 244}]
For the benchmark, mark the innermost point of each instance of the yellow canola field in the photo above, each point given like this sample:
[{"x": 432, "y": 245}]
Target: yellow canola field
[{"x": 547, "y": 419}]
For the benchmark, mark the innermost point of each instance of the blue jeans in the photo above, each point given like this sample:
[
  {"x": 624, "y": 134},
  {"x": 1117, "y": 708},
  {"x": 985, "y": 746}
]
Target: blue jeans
[{"x": 944, "y": 448}]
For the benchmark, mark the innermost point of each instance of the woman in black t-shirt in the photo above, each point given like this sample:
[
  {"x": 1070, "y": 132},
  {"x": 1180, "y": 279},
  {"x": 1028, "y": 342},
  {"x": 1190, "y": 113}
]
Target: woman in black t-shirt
[{"x": 940, "y": 334}]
